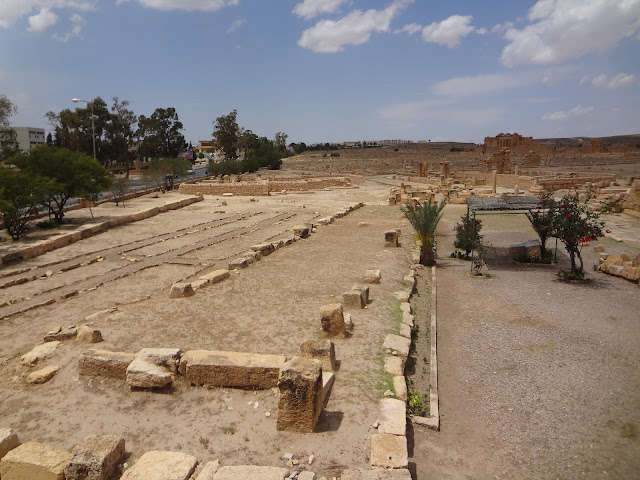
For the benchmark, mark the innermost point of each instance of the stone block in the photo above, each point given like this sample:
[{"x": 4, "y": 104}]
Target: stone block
[
  {"x": 306, "y": 476},
  {"x": 231, "y": 369},
  {"x": 167, "y": 358},
  {"x": 407, "y": 318},
  {"x": 34, "y": 461},
  {"x": 180, "y": 290},
  {"x": 216, "y": 276},
  {"x": 405, "y": 307},
  {"x": 300, "y": 403},
  {"x": 403, "y": 296},
  {"x": 400, "y": 386},
  {"x": 95, "y": 458},
  {"x": 332, "y": 319},
  {"x": 209, "y": 470},
  {"x": 328, "y": 379},
  {"x": 87, "y": 334},
  {"x": 251, "y": 472},
  {"x": 391, "y": 238},
  {"x": 631, "y": 273},
  {"x": 376, "y": 474},
  {"x": 43, "y": 375},
  {"x": 394, "y": 365},
  {"x": 396, "y": 345},
  {"x": 410, "y": 281},
  {"x": 239, "y": 263},
  {"x": 389, "y": 451},
  {"x": 353, "y": 299},
  {"x": 61, "y": 333},
  {"x": 8, "y": 441},
  {"x": 142, "y": 374},
  {"x": 405, "y": 330},
  {"x": 104, "y": 363},
  {"x": 393, "y": 416},
  {"x": 364, "y": 290},
  {"x": 264, "y": 248},
  {"x": 322, "y": 350},
  {"x": 301, "y": 231},
  {"x": 156, "y": 465},
  {"x": 39, "y": 353}
]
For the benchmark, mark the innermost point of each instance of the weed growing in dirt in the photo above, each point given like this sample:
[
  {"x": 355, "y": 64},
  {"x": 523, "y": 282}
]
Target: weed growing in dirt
[{"x": 416, "y": 403}]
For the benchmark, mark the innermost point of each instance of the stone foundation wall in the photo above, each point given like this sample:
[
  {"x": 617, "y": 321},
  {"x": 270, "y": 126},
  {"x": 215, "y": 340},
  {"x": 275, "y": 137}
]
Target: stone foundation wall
[{"x": 264, "y": 187}]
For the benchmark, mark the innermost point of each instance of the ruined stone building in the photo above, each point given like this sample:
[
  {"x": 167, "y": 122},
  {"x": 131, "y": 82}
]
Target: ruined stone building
[{"x": 508, "y": 140}]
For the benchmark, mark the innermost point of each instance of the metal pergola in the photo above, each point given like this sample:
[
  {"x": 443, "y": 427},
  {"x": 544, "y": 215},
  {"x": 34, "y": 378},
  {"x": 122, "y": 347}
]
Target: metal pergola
[{"x": 505, "y": 205}]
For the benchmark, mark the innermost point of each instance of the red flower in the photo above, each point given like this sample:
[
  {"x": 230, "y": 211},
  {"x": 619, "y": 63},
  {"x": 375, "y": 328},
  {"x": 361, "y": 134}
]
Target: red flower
[
  {"x": 595, "y": 196},
  {"x": 608, "y": 231}
]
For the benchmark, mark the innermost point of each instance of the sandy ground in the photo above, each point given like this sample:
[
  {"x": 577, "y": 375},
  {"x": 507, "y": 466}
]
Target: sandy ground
[{"x": 538, "y": 379}]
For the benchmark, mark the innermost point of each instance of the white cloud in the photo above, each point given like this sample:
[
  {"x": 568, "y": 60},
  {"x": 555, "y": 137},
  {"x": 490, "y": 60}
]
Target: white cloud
[
  {"x": 236, "y": 24},
  {"x": 12, "y": 10},
  {"x": 410, "y": 28},
  {"x": 312, "y": 8},
  {"x": 449, "y": 32},
  {"x": 43, "y": 20},
  {"x": 482, "y": 84},
  {"x": 481, "y": 31},
  {"x": 574, "y": 112},
  {"x": 77, "y": 23},
  {"x": 561, "y": 30},
  {"x": 621, "y": 80},
  {"x": 188, "y": 5},
  {"x": 502, "y": 27},
  {"x": 356, "y": 28}
]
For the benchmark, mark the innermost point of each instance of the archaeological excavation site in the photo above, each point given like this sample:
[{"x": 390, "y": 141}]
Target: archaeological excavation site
[{"x": 283, "y": 324}]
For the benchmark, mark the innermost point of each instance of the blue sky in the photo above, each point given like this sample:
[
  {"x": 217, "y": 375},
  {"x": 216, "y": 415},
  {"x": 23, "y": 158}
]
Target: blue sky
[{"x": 334, "y": 70}]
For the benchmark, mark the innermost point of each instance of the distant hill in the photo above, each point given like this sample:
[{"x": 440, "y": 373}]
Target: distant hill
[{"x": 631, "y": 140}]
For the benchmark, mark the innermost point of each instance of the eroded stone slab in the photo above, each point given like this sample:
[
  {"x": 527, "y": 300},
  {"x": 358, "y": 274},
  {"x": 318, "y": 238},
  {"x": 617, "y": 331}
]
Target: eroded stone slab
[
  {"x": 60, "y": 333},
  {"x": 156, "y": 465},
  {"x": 87, "y": 334},
  {"x": 168, "y": 358},
  {"x": 34, "y": 461},
  {"x": 393, "y": 416},
  {"x": 251, "y": 472},
  {"x": 394, "y": 365},
  {"x": 376, "y": 474},
  {"x": 353, "y": 299},
  {"x": 95, "y": 458},
  {"x": 323, "y": 350},
  {"x": 405, "y": 330},
  {"x": 332, "y": 319},
  {"x": 216, "y": 276},
  {"x": 231, "y": 369},
  {"x": 389, "y": 451},
  {"x": 39, "y": 353},
  {"x": 42, "y": 375},
  {"x": 300, "y": 403},
  {"x": 396, "y": 345},
  {"x": 239, "y": 263},
  {"x": 104, "y": 363},
  {"x": 391, "y": 238},
  {"x": 400, "y": 386},
  {"x": 181, "y": 290},
  {"x": 301, "y": 231},
  {"x": 142, "y": 374},
  {"x": 209, "y": 470}
]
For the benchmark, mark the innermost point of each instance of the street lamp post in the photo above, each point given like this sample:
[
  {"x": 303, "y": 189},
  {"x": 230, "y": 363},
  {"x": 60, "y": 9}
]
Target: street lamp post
[{"x": 93, "y": 126}]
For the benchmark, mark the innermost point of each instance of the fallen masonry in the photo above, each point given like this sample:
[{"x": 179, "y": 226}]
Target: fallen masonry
[{"x": 300, "y": 403}]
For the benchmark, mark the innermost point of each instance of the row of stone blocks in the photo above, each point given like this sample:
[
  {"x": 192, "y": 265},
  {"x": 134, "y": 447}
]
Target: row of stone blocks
[
  {"x": 389, "y": 445},
  {"x": 302, "y": 383},
  {"x": 59, "y": 241},
  {"x": 98, "y": 457}
]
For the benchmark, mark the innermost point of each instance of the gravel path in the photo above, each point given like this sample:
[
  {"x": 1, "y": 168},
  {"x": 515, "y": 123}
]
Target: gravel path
[{"x": 538, "y": 379}]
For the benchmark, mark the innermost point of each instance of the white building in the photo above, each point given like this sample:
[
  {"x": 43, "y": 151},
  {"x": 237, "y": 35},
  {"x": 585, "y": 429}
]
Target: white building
[{"x": 28, "y": 137}]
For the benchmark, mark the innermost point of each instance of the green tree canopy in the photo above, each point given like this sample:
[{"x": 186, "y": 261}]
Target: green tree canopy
[
  {"x": 226, "y": 133},
  {"x": 160, "y": 134},
  {"x": 72, "y": 174},
  {"x": 8, "y": 143}
]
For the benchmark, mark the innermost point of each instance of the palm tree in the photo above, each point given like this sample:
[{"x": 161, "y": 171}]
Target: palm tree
[{"x": 424, "y": 219}]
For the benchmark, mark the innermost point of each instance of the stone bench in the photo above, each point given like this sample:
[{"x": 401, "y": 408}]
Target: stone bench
[{"x": 231, "y": 369}]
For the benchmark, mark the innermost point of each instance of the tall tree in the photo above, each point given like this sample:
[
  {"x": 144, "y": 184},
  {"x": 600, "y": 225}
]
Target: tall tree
[
  {"x": 120, "y": 134},
  {"x": 8, "y": 143},
  {"x": 226, "y": 133},
  {"x": 280, "y": 141},
  {"x": 72, "y": 174},
  {"x": 160, "y": 134}
]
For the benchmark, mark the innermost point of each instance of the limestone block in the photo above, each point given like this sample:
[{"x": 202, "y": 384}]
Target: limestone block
[
  {"x": 391, "y": 238},
  {"x": 405, "y": 307},
  {"x": 253, "y": 256},
  {"x": 39, "y": 353},
  {"x": 615, "y": 270},
  {"x": 156, "y": 465},
  {"x": 610, "y": 261},
  {"x": 239, "y": 263},
  {"x": 408, "y": 319},
  {"x": 376, "y": 474},
  {"x": 364, "y": 290},
  {"x": 353, "y": 299},
  {"x": 251, "y": 472},
  {"x": 328, "y": 379},
  {"x": 300, "y": 403},
  {"x": 405, "y": 330},
  {"x": 87, "y": 334},
  {"x": 167, "y": 358},
  {"x": 301, "y": 231},
  {"x": 389, "y": 451},
  {"x": 393, "y": 416},
  {"x": 323, "y": 350},
  {"x": 209, "y": 470},
  {"x": 180, "y": 290},
  {"x": 104, "y": 363},
  {"x": 396, "y": 345},
  {"x": 410, "y": 281},
  {"x": 402, "y": 295},
  {"x": 394, "y": 365},
  {"x": 95, "y": 458},
  {"x": 264, "y": 248},
  {"x": 198, "y": 284},
  {"x": 630, "y": 272},
  {"x": 43, "y": 375},
  {"x": 142, "y": 374},
  {"x": 231, "y": 369},
  {"x": 278, "y": 244},
  {"x": 216, "y": 276},
  {"x": 8, "y": 441},
  {"x": 400, "y": 386},
  {"x": 61, "y": 333},
  {"x": 34, "y": 461},
  {"x": 332, "y": 319}
]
